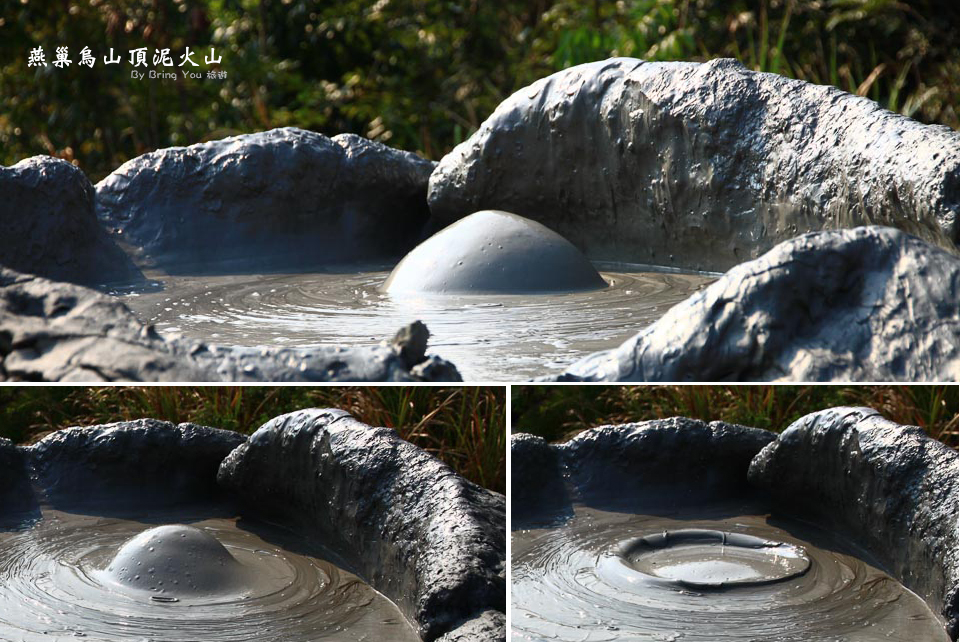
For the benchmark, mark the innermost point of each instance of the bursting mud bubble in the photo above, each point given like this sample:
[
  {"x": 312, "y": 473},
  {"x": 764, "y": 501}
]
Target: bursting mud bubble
[
  {"x": 677, "y": 529},
  {"x": 701, "y": 558}
]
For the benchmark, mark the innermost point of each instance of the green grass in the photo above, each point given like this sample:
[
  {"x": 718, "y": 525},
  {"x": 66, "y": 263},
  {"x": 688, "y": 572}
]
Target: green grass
[
  {"x": 422, "y": 75},
  {"x": 557, "y": 413},
  {"x": 463, "y": 426}
]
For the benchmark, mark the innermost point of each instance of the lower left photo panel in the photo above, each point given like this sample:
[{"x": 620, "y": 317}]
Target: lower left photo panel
[{"x": 253, "y": 513}]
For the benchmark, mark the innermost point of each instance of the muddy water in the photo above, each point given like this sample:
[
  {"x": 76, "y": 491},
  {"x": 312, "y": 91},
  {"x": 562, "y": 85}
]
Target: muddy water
[
  {"x": 488, "y": 337},
  {"x": 573, "y": 583},
  {"x": 54, "y": 585}
]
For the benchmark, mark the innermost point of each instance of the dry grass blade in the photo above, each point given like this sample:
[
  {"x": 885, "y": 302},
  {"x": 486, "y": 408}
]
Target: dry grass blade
[
  {"x": 559, "y": 412},
  {"x": 463, "y": 426}
]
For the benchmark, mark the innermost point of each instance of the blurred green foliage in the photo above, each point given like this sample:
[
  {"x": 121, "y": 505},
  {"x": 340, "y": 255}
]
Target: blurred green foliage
[
  {"x": 422, "y": 74},
  {"x": 557, "y": 413},
  {"x": 464, "y": 426}
]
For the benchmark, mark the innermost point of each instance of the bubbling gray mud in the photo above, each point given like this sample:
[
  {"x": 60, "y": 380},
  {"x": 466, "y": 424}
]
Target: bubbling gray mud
[
  {"x": 490, "y": 338},
  {"x": 571, "y": 582},
  {"x": 60, "y": 580}
]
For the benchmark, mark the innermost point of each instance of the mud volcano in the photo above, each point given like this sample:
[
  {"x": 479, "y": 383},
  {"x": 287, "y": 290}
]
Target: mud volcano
[
  {"x": 309, "y": 530},
  {"x": 841, "y": 528},
  {"x": 500, "y": 293},
  {"x": 834, "y": 222},
  {"x": 308, "y": 230}
]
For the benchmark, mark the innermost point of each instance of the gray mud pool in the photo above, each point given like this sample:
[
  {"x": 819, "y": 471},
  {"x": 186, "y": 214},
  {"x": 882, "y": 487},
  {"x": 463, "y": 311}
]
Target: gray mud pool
[
  {"x": 180, "y": 575},
  {"x": 723, "y": 572},
  {"x": 489, "y": 337}
]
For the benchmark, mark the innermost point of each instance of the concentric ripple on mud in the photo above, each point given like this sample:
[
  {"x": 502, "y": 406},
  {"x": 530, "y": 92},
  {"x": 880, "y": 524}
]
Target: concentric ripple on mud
[
  {"x": 54, "y": 586},
  {"x": 491, "y": 337},
  {"x": 570, "y": 582}
]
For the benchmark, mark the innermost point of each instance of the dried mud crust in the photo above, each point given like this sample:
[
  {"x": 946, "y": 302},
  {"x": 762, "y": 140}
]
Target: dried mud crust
[
  {"x": 49, "y": 226},
  {"x": 699, "y": 166},
  {"x": 281, "y": 199},
  {"x": 426, "y": 538},
  {"x": 868, "y": 304}
]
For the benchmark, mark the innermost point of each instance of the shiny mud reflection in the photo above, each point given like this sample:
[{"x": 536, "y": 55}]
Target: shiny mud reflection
[
  {"x": 705, "y": 559},
  {"x": 492, "y": 337},
  {"x": 570, "y": 583},
  {"x": 54, "y": 585}
]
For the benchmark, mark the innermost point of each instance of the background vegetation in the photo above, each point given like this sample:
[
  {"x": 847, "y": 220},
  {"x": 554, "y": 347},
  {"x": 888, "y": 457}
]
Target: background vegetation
[
  {"x": 558, "y": 412},
  {"x": 422, "y": 74},
  {"x": 463, "y": 426}
]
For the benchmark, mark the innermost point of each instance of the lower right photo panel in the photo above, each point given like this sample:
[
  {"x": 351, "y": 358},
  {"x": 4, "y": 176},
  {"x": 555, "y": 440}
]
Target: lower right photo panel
[{"x": 747, "y": 513}]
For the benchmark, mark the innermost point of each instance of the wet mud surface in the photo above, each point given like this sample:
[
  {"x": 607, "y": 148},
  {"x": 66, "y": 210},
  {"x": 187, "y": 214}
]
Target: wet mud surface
[
  {"x": 62, "y": 579},
  {"x": 488, "y": 337},
  {"x": 572, "y": 581}
]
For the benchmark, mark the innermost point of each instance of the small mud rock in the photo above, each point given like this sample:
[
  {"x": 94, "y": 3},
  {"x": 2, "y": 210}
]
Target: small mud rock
[
  {"x": 280, "y": 199},
  {"x": 893, "y": 489},
  {"x": 868, "y": 304},
  {"x": 434, "y": 368},
  {"x": 419, "y": 533},
  {"x": 48, "y": 226},
  {"x": 410, "y": 343},
  {"x": 131, "y": 462},
  {"x": 700, "y": 166},
  {"x": 61, "y": 332}
]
